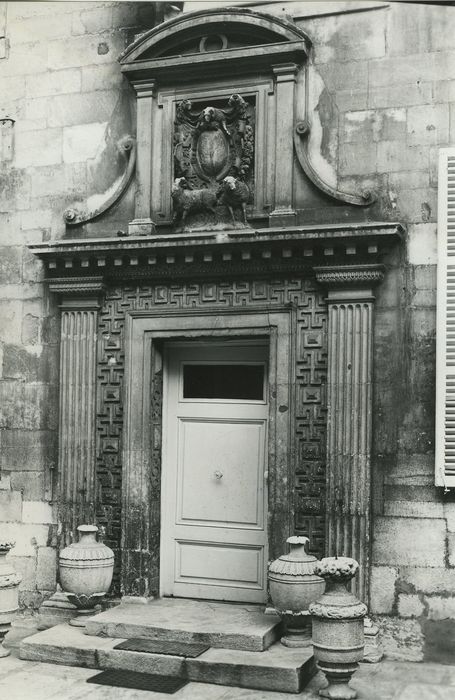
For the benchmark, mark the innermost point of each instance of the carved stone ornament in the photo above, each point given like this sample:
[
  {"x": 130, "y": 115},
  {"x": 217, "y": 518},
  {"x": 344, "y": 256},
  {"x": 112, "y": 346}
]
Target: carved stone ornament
[
  {"x": 9, "y": 584},
  {"x": 213, "y": 145},
  {"x": 99, "y": 203},
  {"x": 338, "y": 633},
  {"x": 301, "y": 137}
]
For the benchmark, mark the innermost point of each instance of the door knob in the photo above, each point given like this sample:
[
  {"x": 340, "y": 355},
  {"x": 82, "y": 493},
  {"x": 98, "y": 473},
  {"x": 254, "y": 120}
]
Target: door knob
[{"x": 218, "y": 475}]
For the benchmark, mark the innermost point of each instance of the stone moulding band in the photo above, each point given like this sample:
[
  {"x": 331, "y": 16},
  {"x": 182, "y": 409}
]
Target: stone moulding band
[
  {"x": 83, "y": 212},
  {"x": 337, "y": 613},
  {"x": 301, "y": 137},
  {"x": 344, "y": 275}
]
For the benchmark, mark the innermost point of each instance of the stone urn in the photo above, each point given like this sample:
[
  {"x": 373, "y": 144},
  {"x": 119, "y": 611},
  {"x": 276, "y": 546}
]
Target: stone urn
[
  {"x": 293, "y": 586},
  {"x": 86, "y": 569},
  {"x": 9, "y": 594},
  {"x": 338, "y": 637}
]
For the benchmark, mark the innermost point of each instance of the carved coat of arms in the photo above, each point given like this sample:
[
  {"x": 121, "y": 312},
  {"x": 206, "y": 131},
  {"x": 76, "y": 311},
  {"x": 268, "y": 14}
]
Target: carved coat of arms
[{"x": 211, "y": 142}]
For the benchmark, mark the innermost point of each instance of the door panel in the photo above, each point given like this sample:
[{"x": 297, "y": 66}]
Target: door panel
[
  {"x": 213, "y": 540},
  {"x": 224, "y": 462}
]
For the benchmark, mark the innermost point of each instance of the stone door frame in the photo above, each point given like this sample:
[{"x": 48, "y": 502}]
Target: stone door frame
[{"x": 145, "y": 332}]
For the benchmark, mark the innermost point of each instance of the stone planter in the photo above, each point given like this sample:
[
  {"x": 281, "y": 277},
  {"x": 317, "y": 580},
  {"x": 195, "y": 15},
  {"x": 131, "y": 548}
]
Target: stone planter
[
  {"x": 9, "y": 594},
  {"x": 293, "y": 586},
  {"x": 338, "y": 637},
  {"x": 86, "y": 569}
]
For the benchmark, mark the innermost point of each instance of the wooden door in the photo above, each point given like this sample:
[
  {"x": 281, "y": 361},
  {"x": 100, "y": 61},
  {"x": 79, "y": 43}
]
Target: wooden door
[{"x": 213, "y": 512}]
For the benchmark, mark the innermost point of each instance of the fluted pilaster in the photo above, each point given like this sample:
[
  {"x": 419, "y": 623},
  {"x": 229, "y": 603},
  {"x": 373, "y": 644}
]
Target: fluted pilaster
[
  {"x": 77, "y": 411},
  {"x": 349, "y": 404}
]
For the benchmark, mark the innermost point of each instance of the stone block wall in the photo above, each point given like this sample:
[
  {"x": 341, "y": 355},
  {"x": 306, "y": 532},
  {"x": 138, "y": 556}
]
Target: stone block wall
[
  {"x": 61, "y": 84},
  {"x": 388, "y": 76},
  {"x": 382, "y": 91}
]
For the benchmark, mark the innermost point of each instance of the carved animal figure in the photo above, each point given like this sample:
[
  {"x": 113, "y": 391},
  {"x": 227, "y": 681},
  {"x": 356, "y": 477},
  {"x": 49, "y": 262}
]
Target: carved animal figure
[
  {"x": 186, "y": 200},
  {"x": 213, "y": 118},
  {"x": 234, "y": 194}
]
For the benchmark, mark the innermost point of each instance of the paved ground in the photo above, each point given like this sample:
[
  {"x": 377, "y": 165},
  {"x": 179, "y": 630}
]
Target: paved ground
[{"x": 389, "y": 680}]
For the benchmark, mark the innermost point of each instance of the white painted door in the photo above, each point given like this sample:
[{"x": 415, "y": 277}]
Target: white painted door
[{"x": 213, "y": 512}]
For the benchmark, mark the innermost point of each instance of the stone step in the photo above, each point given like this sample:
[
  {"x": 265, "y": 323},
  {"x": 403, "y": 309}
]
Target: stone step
[
  {"x": 278, "y": 668},
  {"x": 221, "y": 625}
]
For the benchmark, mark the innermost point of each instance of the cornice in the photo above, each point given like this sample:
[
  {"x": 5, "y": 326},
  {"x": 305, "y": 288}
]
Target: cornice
[{"x": 202, "y": 254}]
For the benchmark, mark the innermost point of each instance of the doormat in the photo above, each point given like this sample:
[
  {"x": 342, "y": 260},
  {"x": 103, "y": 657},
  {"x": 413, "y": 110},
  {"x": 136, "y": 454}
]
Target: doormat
[
  {"x": 139, "y": 681},
  {"x": 156, "y": 646}
]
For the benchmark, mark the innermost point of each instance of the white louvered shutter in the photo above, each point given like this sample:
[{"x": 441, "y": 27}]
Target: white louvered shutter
[{"x": 445, "y": 335}]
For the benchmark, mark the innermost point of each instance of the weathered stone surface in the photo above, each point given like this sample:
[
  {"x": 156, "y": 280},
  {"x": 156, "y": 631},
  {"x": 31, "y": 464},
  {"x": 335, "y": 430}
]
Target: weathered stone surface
[
  {"x": 68, "y": 180},
  {"x": 279, "y": 668},
  {"x": 405, "y": 542},
  {"x": 31, "y": 484},
  {"x": 26, "y": 407},
  {"x": 428, "y": 124},
  {"x": 10, "y": 265},
  {"x": 441, "y": 608},
  {"x": 37, "y": 512},
  {"x": 411, "y": 470},
  {"x": 410, "y": 605},
  {"x": 82, "y": 142},
  {"x": 332, "y": 38},
  {"x": 64, "y": 645},
  {"x": 142, "y": 662},
  {"x": 429, "y": 580},
  {"x": 35, "y": 148},
  {"x": 422, "y": 244},
  {"x": 91, "y": 21},
  {"x": 72, "y": 52},
  {"x": 357, "y": 158},
  {"x": 68, "y": 110},
  {"x": 102, "y": 77},
  {"x": 46, "y": 571},
  {"x": 220, "y": 625},
  {"x": 403, "y": 639},
  {"x": 36, "y": 219},
  {"x": 396, "y": 155},
  {"x": 5, "y": 482},
  {"x": 10, "y": 506},
  {"x": 439, "y": 641},
  {"x": 374, "y": 125},
  {"x": 25, "y": 567},
  {"x": 382, "y": 589},
  {"x": 413, "y": 509},
  {"x": 27, "y": 538}
]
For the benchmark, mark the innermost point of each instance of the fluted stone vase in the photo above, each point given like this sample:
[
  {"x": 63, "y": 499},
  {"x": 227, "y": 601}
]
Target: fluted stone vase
[
  {"x": 9, "y": 594},
  {"x": 86, "y": 569},
  {"x": 293, "y": 586},
  {"x": 338, "y": 637}
]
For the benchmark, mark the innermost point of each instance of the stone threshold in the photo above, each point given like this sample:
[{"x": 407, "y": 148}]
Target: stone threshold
[
  {"x": 220, "y": 625},
  {"x": 276, "y": 669}
]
